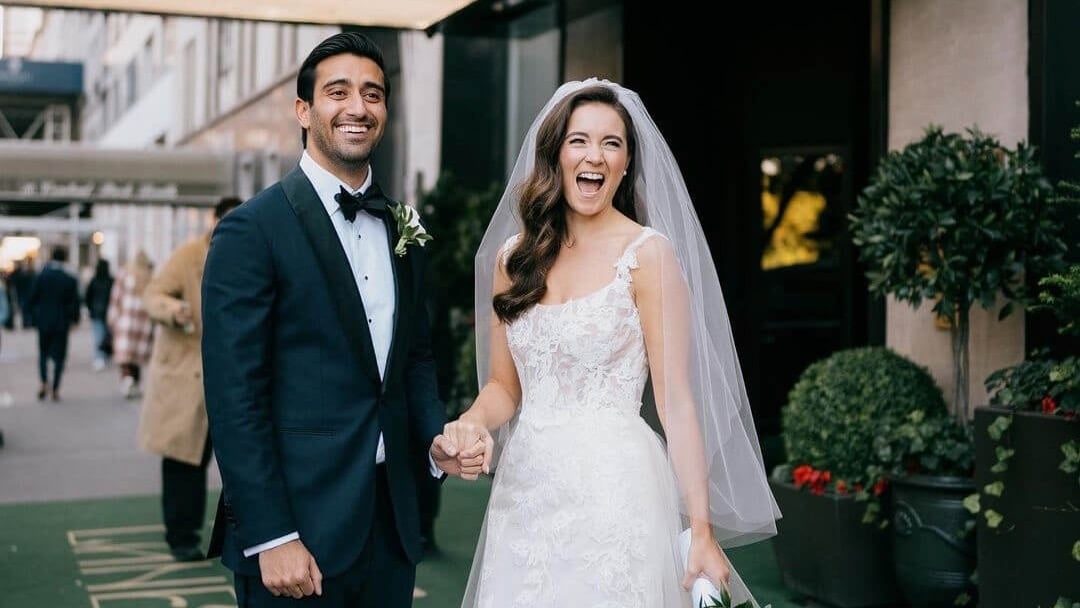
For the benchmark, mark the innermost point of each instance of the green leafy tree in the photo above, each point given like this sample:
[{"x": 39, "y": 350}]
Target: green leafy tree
[{"x": 961, "y": 219}]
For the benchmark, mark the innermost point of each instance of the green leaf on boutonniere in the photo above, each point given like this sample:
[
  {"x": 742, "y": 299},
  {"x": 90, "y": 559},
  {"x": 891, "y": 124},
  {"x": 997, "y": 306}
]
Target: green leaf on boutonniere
[{"x": 409, "y": 228}]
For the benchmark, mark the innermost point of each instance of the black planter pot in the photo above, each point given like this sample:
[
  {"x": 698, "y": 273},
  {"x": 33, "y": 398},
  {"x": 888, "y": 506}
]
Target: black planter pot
[
  {"x": 933, "y": 557},
  {"x": 1027, "y": 560},
  {"x": 824, "y": 550}
]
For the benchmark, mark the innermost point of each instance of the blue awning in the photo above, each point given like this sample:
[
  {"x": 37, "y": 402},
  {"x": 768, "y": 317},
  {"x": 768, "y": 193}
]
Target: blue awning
[{"x": 24, "y": 77}]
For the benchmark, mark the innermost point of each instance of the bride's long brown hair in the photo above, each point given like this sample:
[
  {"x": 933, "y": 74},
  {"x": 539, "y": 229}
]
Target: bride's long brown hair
[{"x": 542, "y": 204}]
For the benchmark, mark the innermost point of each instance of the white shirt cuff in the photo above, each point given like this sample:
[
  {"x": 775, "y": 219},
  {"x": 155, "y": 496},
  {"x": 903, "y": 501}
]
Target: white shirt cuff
[
  {"x": 270, "y": 544},
  {"x": 436, "y": 472}
]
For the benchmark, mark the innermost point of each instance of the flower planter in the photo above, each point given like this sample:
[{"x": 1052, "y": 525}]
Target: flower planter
[
  {"x": 934, "y": 559},
  {"x": 824, "y": 550},
  {"x": 1027, "y": 560}
]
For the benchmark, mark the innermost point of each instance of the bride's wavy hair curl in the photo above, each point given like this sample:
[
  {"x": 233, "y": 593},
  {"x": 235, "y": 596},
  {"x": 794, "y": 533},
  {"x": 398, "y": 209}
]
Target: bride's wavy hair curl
[{"x": 542, "y": 204}]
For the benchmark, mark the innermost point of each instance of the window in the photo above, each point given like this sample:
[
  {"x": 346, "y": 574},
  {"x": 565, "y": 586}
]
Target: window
[
  {"x": 131, "y": 84},
  {"x": 226, "y": 48},
  {"x": 148, "y": 63},
  {"x": 188, "y": 93}
]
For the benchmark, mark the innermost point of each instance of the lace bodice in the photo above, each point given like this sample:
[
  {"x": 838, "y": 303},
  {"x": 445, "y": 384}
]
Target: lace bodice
[{"x": 583, "y": 356}]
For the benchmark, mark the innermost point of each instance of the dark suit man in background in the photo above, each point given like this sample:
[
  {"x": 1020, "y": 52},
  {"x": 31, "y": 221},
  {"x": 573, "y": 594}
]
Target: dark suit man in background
[
  {"x": 320, "y": 386},
  {"x": 53, "y": 304}
]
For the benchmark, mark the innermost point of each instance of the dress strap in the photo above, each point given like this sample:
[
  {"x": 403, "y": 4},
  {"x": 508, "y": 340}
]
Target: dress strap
[{"x": 628, "y": 260}]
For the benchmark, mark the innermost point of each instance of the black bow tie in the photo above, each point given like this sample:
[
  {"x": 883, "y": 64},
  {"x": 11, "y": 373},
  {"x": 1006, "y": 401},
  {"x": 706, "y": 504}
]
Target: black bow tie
[{"x": 371, "y": 201}]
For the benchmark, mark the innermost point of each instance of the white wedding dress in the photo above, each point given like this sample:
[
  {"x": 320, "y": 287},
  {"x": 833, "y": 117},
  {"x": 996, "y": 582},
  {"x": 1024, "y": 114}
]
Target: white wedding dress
[{"x": 584, "y": 509}]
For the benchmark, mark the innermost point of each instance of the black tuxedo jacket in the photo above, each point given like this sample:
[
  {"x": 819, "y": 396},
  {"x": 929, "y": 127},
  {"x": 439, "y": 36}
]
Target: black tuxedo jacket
[{"x": 293, "y": 391}]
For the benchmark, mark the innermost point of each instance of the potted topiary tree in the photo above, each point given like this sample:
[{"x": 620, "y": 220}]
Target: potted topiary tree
[
  {"x": 830, "y": 544},
  {"x": 960, "y": 219}
]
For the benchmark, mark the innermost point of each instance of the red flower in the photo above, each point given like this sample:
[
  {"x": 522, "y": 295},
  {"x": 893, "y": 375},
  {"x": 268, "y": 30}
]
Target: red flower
[
  {"x": 858, "y": 487},
  {"x": 1069, "y": 415},
  {"x": 879, "y": 487},
  {"x": 1049, "y": 406},
  {"x": 807, "y": 475},
  {"x": 801, "y": 475},
  {"x": 841, "y": 487}
]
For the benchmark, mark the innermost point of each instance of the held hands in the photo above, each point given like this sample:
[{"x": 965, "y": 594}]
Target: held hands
[
  {"x": 706, "y": 559},
  {"x": 464, "y": 449},
  {"x": 289, "y": 570}
]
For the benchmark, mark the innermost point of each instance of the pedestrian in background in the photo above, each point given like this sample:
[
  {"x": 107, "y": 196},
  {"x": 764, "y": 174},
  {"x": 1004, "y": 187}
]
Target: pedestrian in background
[
  {"x": 173, "y": 422},
  {"x": 5, "y": 303},
  {"x": 96, "y": 298},
  {"x": 129, "y": 324},
  {"x": 22, "y": 278},
  {"x": 6, "y": 314},
  {"x": 53, "y": 304},
  {"x": 8, "y": 319}
]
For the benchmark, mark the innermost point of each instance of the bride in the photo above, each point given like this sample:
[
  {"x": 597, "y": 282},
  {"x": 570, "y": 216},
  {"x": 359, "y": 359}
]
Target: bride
[{"x": 593, "y": 279}]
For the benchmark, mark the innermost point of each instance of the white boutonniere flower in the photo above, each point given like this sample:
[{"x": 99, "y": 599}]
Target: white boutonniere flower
[{"x": 409, "y": 230}]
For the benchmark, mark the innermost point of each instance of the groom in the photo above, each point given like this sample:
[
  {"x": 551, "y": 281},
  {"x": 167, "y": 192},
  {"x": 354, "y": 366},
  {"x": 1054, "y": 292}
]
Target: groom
[{"x": 319, "y": 381}]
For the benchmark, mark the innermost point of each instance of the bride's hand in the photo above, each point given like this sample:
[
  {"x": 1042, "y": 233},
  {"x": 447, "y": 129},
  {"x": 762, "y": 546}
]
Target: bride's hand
[
  {"x": 706, "y": 559},
  {"x": 474, "y": 444}
]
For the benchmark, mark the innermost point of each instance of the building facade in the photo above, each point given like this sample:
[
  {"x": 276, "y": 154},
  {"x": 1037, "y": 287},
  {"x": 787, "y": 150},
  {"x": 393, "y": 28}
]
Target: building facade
[
  {"x": 225, "y": 88},
  {"x": 802, "y": 94},
  {"x": 776, "y": 118}
]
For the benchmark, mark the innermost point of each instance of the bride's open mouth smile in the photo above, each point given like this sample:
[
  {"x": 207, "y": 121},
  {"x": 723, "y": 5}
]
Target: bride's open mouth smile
[{"x": 589, "y": 183}]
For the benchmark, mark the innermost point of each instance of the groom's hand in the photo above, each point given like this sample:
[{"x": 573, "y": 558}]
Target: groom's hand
[
  {"x": 451, "y": 461},
  {"x": 464, "y": 449},
  {"x": 444, "y": 453},
  {"x": 290, "y": 570}
]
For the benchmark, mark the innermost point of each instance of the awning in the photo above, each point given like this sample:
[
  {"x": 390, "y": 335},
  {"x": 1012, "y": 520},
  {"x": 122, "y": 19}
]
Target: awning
[
  {"x": 70, "y": 172},
  {"x": 399, "y": 14}
]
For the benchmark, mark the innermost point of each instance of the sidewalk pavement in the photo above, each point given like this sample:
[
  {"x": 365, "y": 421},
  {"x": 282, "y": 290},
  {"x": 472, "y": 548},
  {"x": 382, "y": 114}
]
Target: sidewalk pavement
[{"x": 80, "y": 447}]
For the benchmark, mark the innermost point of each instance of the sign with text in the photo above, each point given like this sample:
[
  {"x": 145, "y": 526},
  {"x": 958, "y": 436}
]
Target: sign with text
[
  {"x": 24, "y": 77},
  {"x": 90, "y": 190}
]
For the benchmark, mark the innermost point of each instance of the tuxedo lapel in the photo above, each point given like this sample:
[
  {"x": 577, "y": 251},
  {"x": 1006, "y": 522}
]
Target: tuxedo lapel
[
  {"x": 402, "y": 287},
  {"x": 335, "y": 267}
]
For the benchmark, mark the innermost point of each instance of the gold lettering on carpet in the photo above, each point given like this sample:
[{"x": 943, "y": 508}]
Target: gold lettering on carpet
[{"x": 131, "y": 566}]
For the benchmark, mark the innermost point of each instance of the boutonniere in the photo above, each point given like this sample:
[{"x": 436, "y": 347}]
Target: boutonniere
[{"x": 409, "y": 230}]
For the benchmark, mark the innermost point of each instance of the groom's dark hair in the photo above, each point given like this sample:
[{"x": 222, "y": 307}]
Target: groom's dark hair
[{"x": 353, "y": 43}]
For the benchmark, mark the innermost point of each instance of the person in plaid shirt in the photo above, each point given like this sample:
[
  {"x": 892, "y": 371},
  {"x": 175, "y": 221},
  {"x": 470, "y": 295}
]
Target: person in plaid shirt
[{"x": 131, "y": 327}]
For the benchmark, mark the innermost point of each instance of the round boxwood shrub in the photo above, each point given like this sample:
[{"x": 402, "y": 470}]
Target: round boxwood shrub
[{"x": 841, "y": 403}]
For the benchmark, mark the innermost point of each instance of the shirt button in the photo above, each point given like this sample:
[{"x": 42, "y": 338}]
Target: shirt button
[
  {"x": 365, "y": 277},
  {"x": 369, "y": 320}
]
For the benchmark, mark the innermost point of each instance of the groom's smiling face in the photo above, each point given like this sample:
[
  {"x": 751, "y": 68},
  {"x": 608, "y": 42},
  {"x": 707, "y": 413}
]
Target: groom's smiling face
[{"x": 347, "y": 115}]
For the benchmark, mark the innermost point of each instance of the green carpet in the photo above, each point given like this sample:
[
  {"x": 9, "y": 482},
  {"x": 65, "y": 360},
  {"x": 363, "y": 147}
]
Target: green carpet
[{"x": 110, "y": 554}]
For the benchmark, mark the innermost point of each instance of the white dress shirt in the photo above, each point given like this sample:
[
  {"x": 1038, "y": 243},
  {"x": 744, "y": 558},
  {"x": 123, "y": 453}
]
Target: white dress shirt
[{"x": 368, "y": 249}]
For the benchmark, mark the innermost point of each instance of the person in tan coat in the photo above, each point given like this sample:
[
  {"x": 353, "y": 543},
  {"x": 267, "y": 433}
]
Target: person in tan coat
[{"x": 173, "y": 422}]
